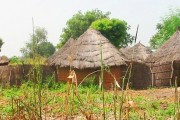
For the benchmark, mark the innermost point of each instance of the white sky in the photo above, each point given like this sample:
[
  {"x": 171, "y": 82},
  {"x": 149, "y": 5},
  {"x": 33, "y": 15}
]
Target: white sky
[{"x": 16, "y": 17}]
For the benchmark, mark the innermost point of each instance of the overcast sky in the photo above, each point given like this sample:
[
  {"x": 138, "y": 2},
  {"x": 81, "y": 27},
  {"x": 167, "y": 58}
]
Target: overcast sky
[{"x": 16, "y": 17}]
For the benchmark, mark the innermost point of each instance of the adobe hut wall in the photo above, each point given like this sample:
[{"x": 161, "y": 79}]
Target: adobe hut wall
[
  {"x": 140, "y": 77},
  {"x": 63, "y": 73},
  {"x": 117, "y": 71}
]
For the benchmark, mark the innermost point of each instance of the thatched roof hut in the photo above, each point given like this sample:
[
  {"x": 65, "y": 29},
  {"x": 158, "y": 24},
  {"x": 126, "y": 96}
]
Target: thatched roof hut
[
  {"x": 168, "y": 52},
  {"x": 165, "y": 62},
  {"x": 137, "y": 53},
  {"x": 4, "y": 60},
  {"x": 140, "y": 77},
  {"x": 86, "y": 52},
  {"x": 65, "y": 47}
]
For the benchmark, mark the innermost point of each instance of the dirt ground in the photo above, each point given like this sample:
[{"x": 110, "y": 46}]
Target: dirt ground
[{"x": 167, "y": 94}]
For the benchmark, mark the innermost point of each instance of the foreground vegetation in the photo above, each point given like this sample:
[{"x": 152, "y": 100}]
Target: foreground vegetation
[{"x": 64, "y": 101}]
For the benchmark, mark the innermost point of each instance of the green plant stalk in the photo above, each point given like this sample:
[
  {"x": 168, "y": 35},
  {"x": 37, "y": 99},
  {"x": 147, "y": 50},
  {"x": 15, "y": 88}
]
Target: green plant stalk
[
  {"x": 39, "y": 78},
  {"x": 34, "y": 72},
  {"x": 102, "y": 81},
  {"x": 66, "y": 106},
  {"x": 122, "y": 100},
  {"x": 176, "y": 100},
  {"x": 115, "y": 93},
  {"x": 34, "y": 89},
  {"x": 114, "y": 98},
  {"x": 122, "y": 97},
  {"x": 72, "y": 100},
  {"x": 12, "y": 104}
]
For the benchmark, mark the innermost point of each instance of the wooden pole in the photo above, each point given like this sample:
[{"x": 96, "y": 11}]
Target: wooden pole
[
  {"x": 152, "y": 76},
  {"x": 1, "y": 78},
  {"x": 57, "y": 74},
  {"x": 172, "y": 68},
  {"x": 10, "y": 77}
]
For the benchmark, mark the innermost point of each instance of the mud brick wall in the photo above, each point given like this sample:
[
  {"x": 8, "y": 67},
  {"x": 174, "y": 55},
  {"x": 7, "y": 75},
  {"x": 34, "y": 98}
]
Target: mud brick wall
[{"x": 117, "y": 71}]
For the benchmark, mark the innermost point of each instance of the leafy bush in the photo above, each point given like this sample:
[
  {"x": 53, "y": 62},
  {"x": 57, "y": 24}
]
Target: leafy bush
[
  {"x": 15, "y": 60},
  {"x": 89, "y": 81}
]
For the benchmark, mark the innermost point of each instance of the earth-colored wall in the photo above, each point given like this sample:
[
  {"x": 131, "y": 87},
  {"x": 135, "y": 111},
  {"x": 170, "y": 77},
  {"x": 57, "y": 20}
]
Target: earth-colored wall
[
  {"x": 165, "y": 74},
  {"x": 140, "y": 76},
  {"x": 117, "y": 71},
  {"x": 14, "y": 75}
]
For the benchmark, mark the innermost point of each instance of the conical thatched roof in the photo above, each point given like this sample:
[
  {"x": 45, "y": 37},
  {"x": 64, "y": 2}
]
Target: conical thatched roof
[
  {"x": 137, "y": 53},
  {"x": 124, "y": 49},
  {"x": 4, "y": 60},
  {"x": 86, "y": 52},
  {"x": 168, "y": 52},
  {"x": 65, "y": 47}
]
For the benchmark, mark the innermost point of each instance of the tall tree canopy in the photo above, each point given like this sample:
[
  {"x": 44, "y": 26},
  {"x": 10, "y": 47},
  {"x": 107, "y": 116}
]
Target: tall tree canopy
[
  {"x": 166, "y": 28},
  {"x": 35, "y": 44},
  {"x": 1, "y": 43},
  {"x": 46, "y": 49},
  {"x": 79, "y": 23},
  {"x": 115, "y": 30}
]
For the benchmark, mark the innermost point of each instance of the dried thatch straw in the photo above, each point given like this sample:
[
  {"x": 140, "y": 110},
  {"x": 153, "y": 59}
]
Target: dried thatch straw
[
  {"x": 137, "y": 53},
  {"x": 65, "y": 47},
  {"x": 4, "y": 60},
  {"x": 168, "y": 52},
  {"x": 86, "y": 52}
]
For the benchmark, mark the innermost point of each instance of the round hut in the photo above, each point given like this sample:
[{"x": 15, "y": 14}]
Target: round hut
[
  {"x": 4, "y": 61},
  {"x": 136, "y": 55},
  {"x": 84, "y": 56},
  {"x": 65, "y": 47},
  {"x": 165, "y": 62}
]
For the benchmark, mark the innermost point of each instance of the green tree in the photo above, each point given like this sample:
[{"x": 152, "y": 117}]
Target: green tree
[
  {"x": 46, "y": 49},
  {"x": 115, "y": 30},
  {"x": 1, "y": 43},
  {"x": 15, "y": 60},
  {"x": 32, "y": 47},
  {"x": 79, "y": 23},
  {"x": 166, "y": 28}
]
